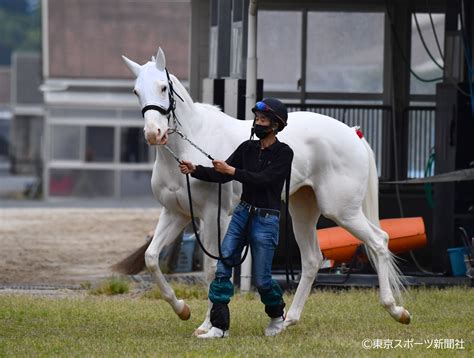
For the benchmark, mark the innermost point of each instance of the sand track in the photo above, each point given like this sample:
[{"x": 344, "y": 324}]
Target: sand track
[{"x": 68, "y": 245}]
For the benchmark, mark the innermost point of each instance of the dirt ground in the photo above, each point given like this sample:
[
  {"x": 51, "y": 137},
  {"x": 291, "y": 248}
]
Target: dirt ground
[{"x": 68, "y": 245}]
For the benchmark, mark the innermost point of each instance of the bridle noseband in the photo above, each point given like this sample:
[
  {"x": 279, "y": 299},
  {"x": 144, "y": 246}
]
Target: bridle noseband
[{"x": 156, "y": 108}]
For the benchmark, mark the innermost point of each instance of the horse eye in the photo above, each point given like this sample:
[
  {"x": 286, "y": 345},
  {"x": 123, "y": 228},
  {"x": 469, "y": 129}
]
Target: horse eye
[
  {"x": 163, "y": 89},
  {"x": 135, "y": 92}
]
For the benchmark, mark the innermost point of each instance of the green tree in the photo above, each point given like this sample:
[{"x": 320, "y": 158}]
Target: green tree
[
  {"x": 18, "y": 6},
  {"x": 20, "y": 28}
]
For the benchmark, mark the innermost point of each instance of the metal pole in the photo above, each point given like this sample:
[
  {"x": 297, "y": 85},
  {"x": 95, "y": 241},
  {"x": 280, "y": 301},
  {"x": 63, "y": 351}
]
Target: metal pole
[
  {"x": 250, "y": 99},
  {"x": 251, "y": 83}
]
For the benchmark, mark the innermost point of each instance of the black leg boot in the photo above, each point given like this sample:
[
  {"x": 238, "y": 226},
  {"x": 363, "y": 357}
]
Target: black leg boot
[{"x": 220, "y": 320}]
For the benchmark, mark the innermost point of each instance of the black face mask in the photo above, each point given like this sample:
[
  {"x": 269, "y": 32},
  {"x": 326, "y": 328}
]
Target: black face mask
[{"x": 262, "y": 131}]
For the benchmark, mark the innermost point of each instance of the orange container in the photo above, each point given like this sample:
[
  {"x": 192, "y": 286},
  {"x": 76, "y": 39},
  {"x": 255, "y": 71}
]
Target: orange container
[{"x": 404, "y": 235}]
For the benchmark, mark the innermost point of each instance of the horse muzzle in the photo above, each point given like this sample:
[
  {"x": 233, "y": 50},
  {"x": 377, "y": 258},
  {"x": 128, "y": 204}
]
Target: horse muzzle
[{"x": 156, "y": 137}]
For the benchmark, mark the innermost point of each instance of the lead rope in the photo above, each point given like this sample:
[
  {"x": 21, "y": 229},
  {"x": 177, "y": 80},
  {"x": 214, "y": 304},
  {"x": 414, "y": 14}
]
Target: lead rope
[
  {"x": 221, "y": 256},
  {"x": 183, "y": 136},
  {"x": 246, "y": 231},
  {"x": 247, "y": 226},
  {"x": 171, "y": 109}
]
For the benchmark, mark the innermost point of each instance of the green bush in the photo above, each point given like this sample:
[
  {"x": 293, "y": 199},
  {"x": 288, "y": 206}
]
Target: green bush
[{"x": 113, "y": 286}]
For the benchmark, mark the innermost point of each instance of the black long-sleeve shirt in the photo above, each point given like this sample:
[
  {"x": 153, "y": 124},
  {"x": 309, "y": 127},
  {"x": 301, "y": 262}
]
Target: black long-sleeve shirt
[{"x": 262, "y": 172}]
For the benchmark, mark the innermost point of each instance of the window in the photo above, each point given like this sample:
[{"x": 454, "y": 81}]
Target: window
[
  {"x": 345, "y": 52},
  {"x": 421, "y": 63},
  {"x": 236, "y": 49},
  {"x": 65, "y": 142},
  {"x": 213, "y": 38},
  {"x": 279, "y": 49},
  {"x": 81, "y": 183},
  {"x": 133, "y": 148},
  {"x": 4, "y": 137},
  {"x": 99, "y": 144}
]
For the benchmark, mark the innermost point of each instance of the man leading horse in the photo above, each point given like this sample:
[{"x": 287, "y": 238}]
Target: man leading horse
[{"x": 262, "y": 167}]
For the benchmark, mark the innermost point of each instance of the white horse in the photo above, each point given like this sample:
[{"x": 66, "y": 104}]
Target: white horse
[{"x": 333, "y": 174}]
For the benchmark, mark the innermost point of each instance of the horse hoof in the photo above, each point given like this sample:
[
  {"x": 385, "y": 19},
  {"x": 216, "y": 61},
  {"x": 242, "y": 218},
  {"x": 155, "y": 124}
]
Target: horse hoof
[
  {"x": 289, "y": 322},
  {"x": 185, "y": 313},
  {"x": 405, "y": 317},
  {"x": 198, "y": 331}
]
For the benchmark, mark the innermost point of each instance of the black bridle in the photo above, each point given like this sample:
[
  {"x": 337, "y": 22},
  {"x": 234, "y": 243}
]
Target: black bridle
[{"x": 160, "y": 109}]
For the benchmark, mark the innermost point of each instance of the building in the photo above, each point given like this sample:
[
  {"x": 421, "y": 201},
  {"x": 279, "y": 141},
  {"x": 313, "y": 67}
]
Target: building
[
  {"x": 27, "y": 125},
  {"x": 5, "y": 117},
  {"x": 400, "y": 69},
  {"x": 395, "y": 68},
  {"x": 93, "y": 141}
]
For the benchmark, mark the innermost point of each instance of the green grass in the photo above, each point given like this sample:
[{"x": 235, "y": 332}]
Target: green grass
[
  {"x": 333, "y": 324},
  {"x": 182, "y": 291},
  {"x": 112, "y": 286}
]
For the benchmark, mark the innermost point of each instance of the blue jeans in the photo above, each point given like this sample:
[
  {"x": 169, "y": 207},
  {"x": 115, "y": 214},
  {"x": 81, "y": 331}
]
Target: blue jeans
[{"x": 263, "y": 240}]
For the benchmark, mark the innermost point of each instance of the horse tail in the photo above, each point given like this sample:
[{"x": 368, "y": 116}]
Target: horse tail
[
  {"x": 135, "y": 262},
  {"x": 370, "y": 205},
  {"x": 370, "y": 208}
]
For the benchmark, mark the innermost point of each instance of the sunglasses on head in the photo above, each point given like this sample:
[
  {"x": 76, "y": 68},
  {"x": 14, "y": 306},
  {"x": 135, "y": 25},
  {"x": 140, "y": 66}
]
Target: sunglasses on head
[{"x": 263, "y": 107}]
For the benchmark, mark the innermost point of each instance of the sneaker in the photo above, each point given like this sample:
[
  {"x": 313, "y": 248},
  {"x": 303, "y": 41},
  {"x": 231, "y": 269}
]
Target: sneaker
[
  {"x": 275, "y": 326},
  {"x": 214, "y": 332}
]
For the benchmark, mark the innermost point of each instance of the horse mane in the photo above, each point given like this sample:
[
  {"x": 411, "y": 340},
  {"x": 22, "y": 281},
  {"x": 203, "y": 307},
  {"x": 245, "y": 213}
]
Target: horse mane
[
  {"x": 181, "y": 90},
  {"x": 209, "y": 107},
  {"x": 216, "y": 110}
]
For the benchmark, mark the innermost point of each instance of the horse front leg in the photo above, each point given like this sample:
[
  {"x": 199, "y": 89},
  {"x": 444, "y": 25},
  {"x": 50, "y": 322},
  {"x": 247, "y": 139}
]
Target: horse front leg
[
  {"x": 168, "y": 228},
  {"x": 209, "y": 272}
]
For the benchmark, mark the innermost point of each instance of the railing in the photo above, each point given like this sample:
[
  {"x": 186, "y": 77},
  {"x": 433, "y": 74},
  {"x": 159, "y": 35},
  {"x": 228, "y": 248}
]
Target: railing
[
  {"x": 368, "y": 117},
  {"x": 421, "y": 140},
  {"x": 421, "y": 130}
]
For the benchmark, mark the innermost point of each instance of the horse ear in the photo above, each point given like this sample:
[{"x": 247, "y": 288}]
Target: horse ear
[
  {"x": 132, "y": 66},
  {"x": 160, "y": 60}
]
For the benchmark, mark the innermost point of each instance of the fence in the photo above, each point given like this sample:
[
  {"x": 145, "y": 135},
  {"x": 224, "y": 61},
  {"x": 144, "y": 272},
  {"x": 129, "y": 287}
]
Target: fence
[
  {"x": 372, "y": 118},
  {"x": 421, "y": 140}
]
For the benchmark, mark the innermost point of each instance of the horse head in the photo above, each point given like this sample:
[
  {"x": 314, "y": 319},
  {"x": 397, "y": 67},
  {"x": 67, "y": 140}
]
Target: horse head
[{"x": 154, "y": 92}]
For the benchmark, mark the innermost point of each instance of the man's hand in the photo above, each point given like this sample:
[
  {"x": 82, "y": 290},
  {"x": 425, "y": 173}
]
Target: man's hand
[
  {"x": 222, "y": 167},
  {"x": 187, "y": 167}
]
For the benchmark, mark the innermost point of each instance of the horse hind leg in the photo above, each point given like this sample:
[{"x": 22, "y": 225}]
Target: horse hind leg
[
  {"x": 305, "y": 214},
  {"x": 376, "y": 241},
  {"x": 168, "y": 228}
]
